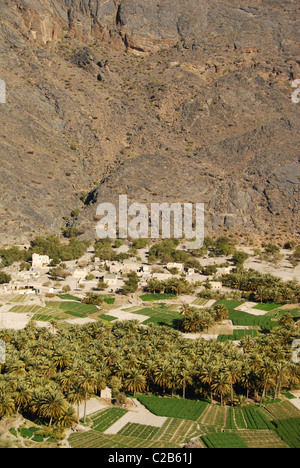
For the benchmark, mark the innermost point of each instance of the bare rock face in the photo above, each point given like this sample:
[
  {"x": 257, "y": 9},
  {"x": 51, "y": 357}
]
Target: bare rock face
[
  {"x": 152, "y": 25},
  {"x": 182, "y": 100}
]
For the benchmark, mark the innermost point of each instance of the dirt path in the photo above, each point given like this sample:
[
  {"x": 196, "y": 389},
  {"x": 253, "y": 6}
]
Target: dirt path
[{"x": 137, "y": 415}]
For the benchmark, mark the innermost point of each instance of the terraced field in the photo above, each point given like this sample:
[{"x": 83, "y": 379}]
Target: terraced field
[
  {"x": 268, "y": 321},
  {"x": 160, "y": 314},
  {"x": 172, "y": 434},
  {"x": 54, "y": 310},
  {"x": 76, "y": 309},
  {"x": 215, "y": 427},
  {"x": 44, "y": 314},
  {"x": 200, "y": 301},
  {"x": 275, "y": 426},
  {"x": 105, "y": 419},
  {"x": 225, "y": 417}
]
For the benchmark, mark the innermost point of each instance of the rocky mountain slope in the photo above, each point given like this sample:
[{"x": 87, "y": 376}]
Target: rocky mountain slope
[{"x": 160, "y": 100}]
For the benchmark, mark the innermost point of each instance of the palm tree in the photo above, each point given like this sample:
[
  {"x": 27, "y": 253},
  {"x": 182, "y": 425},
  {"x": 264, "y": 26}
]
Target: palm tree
[
  {"x": 208, "y": 376},
  {"x": 281, "y": 370},
  {"x": 162, "y": 374},
  {"x": 262, "y": 294},
  {"x": 287, "y": 320},
  {"x": 16, "y": 368},
  {"x": 185, "y": 375},
  {"x": 148, "y": 367},
  {"x": 22, "y": 395},
  {"x": 7, "y": 404},
  {"x": 61, "y": 358},
  {"x": 68, "y": 418},
  {"x": 247, "y": 378},
  {"x": 51, "y": 405},
  {"x": 46, "y": 367},
  {"x": 66, "y": 379},
  {"x": 233, "y": 371},
  {"x": 87, "y": 381},
  {"x": 185, "y": 309},
  {"x": 266, "y": 372},
  {"x": 221, "y": 385},
  {"x": 221, "y": 312},
  {"x": 135, "y": 381},
  {"x": 76, "y": 396}
]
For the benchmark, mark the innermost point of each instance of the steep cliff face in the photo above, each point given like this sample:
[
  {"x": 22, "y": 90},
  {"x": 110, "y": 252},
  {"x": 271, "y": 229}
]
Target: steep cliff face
[
  {"x": 158, "y": 24},
  {"x": 163, "y": 100}
]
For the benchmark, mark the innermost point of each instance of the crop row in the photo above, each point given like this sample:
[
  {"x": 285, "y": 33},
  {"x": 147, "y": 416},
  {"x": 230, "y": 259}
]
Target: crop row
[
  {"x": 225, "y": 440},
  {"x": 255, "y": 419},
  {"x": 138, "y": 430},
  {"x": 105, "y": 419},
  {"x": 289, "y": 431},
  {"x": 235, "y": 418}
]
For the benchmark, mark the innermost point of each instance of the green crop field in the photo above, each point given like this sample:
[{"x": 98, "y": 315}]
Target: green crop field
[
  {"x": 160, "y": 315},
  {"x": 226, "y": 417},
  {"x": 69, "y": 297},
  {"x": 172, "y": 434},
  {"x": 238, "y": 317},
  {"x": 237, "y": 335},
  {"x": 173, "y": 407},
  {"x": 282, "y": 410},
  {"x": 225, "y": 440},
  {"x": 108, "y": 318},
  {"x": 56, "y": 310},
  {"x": 21, "y": 298},
  {"x": 77, "y": 309},
  {"x": 211, "y": 426},
  {"x": 139, "y": 431},
  {"x": 157, "y": 297},
  {"x": 244, "y": 439},
  {"x": 289, "y": 431},
  {"x": 28, "y": 309},
  {"x": 267, "y": 307},
  {"x": 106, "y": 418}
]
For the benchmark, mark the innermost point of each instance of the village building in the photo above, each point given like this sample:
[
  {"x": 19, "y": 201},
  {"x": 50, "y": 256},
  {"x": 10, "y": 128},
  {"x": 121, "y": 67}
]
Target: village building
[
  {"x": 97, "y": 275},
  {"x": 129, "y": 266},
  {"x": 216, "y": 285},
  {"x": 195, "y": 277},
  {"x": 114, "y": 267},
  {"x": 6, "y": 287},
  {"x": 178, "y": 266},
  {"x": 225, "y": 270},
  {"x": 111, "y": 279},
  {"x": 162, "y": 276},
  {"x": 38, "y": 261},
  {"x": 106, "y": 394},
  {"x": 79, "y": 273}
]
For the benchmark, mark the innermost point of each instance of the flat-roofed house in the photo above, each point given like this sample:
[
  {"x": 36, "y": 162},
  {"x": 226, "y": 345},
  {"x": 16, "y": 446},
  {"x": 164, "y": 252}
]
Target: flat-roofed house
[
  {"x": 110, "y": 278},
  {"x": 40, "y": 260},
  {"x": 162, "y": 276},
  {"x": 178, "y": 266},
  {"x": 106, "y": 394},
  {"x": 216, "y": 285}
]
